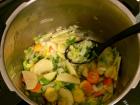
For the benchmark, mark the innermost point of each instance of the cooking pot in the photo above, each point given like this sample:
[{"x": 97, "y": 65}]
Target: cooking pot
[{"x": 36, "y": 17}]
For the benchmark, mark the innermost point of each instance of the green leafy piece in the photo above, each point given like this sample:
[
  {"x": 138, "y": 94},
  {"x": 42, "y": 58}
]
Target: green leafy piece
[
  {"x": 58, "y": 85},
  {"x": 37, "y": 97},
  {"x": 44, "y": 81},
  {"x": 71, "y": 40},
  {"x": 26, "y": 65},
  {"x": 55, "y": 61},
  {"x": 70, "y": 86}
]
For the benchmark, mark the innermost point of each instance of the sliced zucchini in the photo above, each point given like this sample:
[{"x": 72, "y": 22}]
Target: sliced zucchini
[{"x": 65, "y": 77}]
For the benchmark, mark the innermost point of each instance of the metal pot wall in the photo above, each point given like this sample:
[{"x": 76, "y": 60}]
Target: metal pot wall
[{"x": 104, "y": 17}]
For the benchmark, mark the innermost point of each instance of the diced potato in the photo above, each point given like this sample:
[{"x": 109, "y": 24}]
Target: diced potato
[
  {"x": 42, "y": 66},
  {"x": 30, "y": 79},
  {"x": 78, "y": 95},
  {"x": 65, "y": 77},
  {"x": 50, "y": 76},
  {"x": 51, "y": 94},
  {"x": 71, "y": 68},
  {"x": 67, "y": 96}
]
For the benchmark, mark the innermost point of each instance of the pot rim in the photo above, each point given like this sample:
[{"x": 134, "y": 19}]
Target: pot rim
[{"x": 11, "y": 86}]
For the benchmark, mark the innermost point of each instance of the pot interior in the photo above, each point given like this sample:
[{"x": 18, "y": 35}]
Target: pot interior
[{"x": 101, "y": 17}]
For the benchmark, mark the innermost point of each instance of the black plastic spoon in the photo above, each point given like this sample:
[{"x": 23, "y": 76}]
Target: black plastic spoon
[{"x": 94, "y": 51}]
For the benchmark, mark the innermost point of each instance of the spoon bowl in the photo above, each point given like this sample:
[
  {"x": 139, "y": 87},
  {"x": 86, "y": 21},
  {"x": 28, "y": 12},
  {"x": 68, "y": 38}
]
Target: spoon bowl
[{"x": 84, "y": 51}]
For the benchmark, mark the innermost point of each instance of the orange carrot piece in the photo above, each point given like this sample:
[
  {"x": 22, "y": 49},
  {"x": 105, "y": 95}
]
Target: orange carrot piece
[
  {"x": 107, "y": 81},
  {"x": 37, "y": 88},
  {"x": 93, "y": 77},
  {"x": 87, "y": 87},
  {"x": 37, "y": 47}
]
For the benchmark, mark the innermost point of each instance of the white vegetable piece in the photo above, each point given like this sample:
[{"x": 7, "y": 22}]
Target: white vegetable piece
[
  {"x": 66, "y": 95},
  {"x": 50, "y": 76},
  {"x": 42, "y": 66},
  {"x": 71, "y": 69},
  {"x": 30, "y": 79},
  {"x": 65, "y": 77}
]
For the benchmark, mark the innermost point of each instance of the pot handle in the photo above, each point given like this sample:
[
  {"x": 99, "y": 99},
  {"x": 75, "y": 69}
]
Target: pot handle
[{"x": 132, "y": 5}]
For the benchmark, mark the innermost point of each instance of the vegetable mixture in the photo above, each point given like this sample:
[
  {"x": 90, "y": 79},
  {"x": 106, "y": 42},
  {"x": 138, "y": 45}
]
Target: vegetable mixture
[{"x": 50, "y": 79}]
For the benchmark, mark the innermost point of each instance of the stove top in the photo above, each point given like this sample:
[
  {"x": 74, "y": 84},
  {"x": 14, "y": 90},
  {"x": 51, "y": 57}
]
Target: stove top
[{"x": 10, "y": 98}]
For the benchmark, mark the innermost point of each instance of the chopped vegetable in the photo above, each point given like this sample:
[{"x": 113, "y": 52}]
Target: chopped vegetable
[
  {"x": 37, "y": 89},
  {"x": 67, "y": 95},
  {"x": 87, "y": 87},
  {"x": 58, "y": 85},
  {"x": 78, "y": 95},
  {"x": 85, "y": 71},
  {"x": 71, "y": 40},
  {"x": 107, "y": 81},
  {"x": 37, "y": 47},
  {"x": 50, "y": 76},
  {"x": 42, "y": 66},
  {"x": 65, "y": 77},
  {"x": 55, "y": 61},
  {"x": 70, "y": 86},
  {"x": 30, "y": 79},
  {"x": 93, "y": 77},
  {"x": 51, "y": 94},
  {"x": 44, "y": 81},
  {"x": 71, "y": 68}
]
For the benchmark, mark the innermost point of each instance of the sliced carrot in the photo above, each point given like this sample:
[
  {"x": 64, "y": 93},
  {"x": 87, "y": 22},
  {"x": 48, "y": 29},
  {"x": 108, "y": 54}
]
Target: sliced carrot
[
  {"x": 93, "y": 77},
  {"x": 107, "y": 81},
  {"x": 87, "y": 87},
  {"x": 37, "y": 88},
  {"x": 37, "y": 47}
]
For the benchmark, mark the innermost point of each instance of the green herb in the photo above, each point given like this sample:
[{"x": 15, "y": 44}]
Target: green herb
[
  {"x": 58, "y": 85},
  {"x": 71, "y": 40},
  {"x": 37, "y": 97},
  {"x": 55, "y": 61},
  {"x": 70, "y": 86},
  {"x": 44, "y": 81}
]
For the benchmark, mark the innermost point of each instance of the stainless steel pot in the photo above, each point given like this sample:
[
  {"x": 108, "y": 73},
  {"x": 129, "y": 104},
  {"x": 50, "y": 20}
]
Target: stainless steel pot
[{"x": 104, "y": 17}]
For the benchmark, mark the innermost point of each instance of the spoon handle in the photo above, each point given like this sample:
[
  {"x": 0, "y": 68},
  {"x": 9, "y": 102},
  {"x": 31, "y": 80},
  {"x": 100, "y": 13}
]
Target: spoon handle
[{"x": 123, "y": 34}]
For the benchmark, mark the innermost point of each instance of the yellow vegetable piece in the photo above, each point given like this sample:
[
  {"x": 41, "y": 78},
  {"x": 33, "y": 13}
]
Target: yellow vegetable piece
[
  {"x": 66, "y": 95},
  {"x": 51, "y": 94},
  {"x": 37, "y": 47},
  {"x": 78, "y": 95}
]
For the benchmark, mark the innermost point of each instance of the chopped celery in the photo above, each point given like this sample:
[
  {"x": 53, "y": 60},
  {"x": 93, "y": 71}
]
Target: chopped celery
[{"x": 44, "y": 81}]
